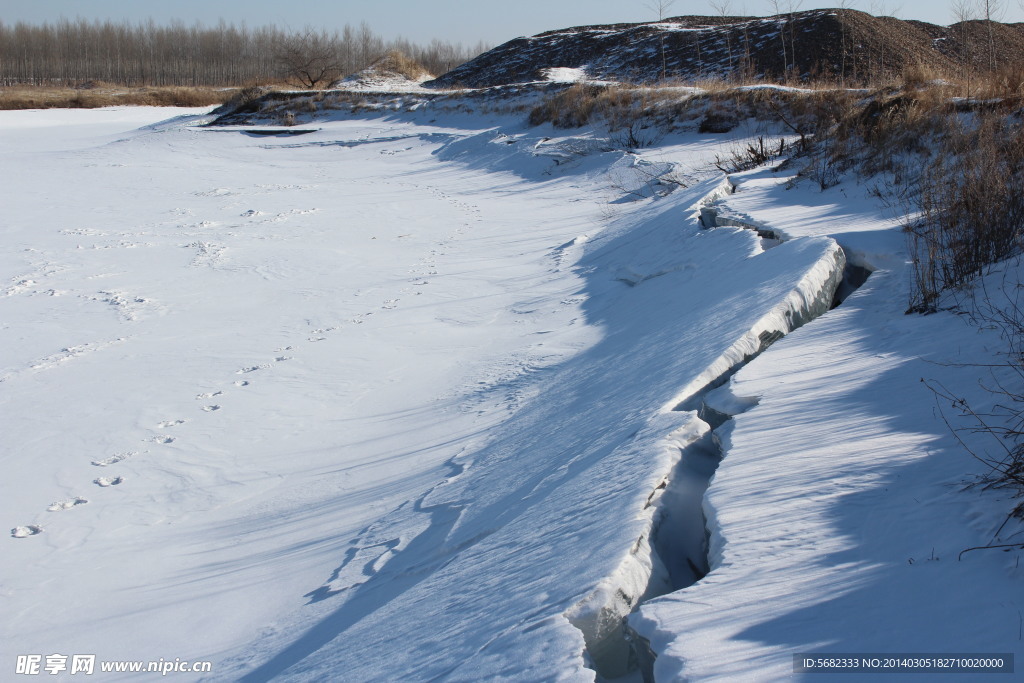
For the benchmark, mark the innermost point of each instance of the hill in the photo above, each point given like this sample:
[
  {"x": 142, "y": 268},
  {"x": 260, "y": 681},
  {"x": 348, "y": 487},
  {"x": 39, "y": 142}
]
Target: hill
[{"x": 832, "y": 43}]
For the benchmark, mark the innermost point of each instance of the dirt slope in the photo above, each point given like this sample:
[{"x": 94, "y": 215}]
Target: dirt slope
[{"x": 834, "y": 43}]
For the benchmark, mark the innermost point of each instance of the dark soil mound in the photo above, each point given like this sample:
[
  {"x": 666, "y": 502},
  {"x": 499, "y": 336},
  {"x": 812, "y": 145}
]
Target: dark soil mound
[{"x": 836, "y": 44}]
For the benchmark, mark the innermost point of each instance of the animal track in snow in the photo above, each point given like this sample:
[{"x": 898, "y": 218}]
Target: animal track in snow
[
  {"x": 126, "y": 305},
  {"x": 210, "y": 409},
  {"x": 217, "y": 192},
  {"x": 20, "y": 286},
  {"x": 114, "y": 459},
  {"x": 361, "y": 318},
  {"x": 211, "y": 394},
  {"x": 251, "y": 368},
  {"x": 162, "y": 438},
  {"x": 120, "y": 244},
  {"x": 70, "y": 352},
  {"x": 280, "y": 359},
  {"x": 66, "y": 504},
  {"x": 242, "y": 383},
  {"x": 84, "y": 232},
  {"x": 318, "y": 333},
  {"x": 294, "y": 212},
  {"x": 104, "y": 482},
  {"x": 26, "y": 531},
  {"x": 170, "y": 423},
  {"x": 207, "y": 253}
]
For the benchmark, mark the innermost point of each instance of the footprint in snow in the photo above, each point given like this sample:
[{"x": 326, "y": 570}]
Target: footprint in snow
[
  {"x": 210, "y": 409},
  {"x": 282, "y": 358},
  {"x": 26, "y": 531},
  {"x": 66, "y": 504},
  {"x": 116, "y": 458},
  {"x": 242, "y": 383},
  {"x": 104, "y": 482},
  {"x": 162, "y": 438},
  {"x": 170, "y": 423},
  {"x": 211, "y": 394}
]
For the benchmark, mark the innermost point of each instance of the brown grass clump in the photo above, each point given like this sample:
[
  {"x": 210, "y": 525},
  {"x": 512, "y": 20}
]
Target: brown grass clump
[
  {"x": 244, "y": 100},
  {"x": 922, "y": 75},
  {"x": 633, "y": 115},
  {"x": 951, "y": 166},
  {"x": 399, "y": 63},
  {"x": 970, "y": 209},
  {"x": 569, "y": 108},
  {"x": 1006, "y": 82},
  {"x": 94, "y": 95}
]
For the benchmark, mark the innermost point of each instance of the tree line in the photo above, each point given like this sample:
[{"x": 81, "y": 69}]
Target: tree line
[{"x": 72, "y": 52}]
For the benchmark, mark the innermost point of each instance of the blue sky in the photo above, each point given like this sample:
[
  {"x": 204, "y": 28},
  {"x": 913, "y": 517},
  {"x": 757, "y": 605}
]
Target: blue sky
[{"x": 421, "y": 20}]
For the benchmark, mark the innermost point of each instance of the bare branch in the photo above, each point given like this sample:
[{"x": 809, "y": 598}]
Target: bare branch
[{"x": 661, "y": 7}]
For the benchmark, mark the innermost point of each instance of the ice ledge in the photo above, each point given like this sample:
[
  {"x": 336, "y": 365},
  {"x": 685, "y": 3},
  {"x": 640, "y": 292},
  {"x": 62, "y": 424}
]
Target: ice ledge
[
  {"x": 641, "y": 574},
  {"x": 813, "y": 295},
  {"x": 648, "y": 568}
]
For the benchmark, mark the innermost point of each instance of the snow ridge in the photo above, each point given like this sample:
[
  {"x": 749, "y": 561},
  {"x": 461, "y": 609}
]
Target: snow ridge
[{"x": 671, "y": 553}]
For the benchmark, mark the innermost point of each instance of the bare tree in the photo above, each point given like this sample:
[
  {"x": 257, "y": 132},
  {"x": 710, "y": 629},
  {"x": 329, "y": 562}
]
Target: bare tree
[
  {"x": 963, "y": 12},
  {"x": 74, "y": 52},
  {"x": 844, "y": 8},
  {"x": 660, "y": 6},
  {"x": 880, "y": 8},
  {"x": 311, "y": 58},
  {"x": 777, "y": 9},
  {"x": 792, "y": 7},
  {"x": 992, "y": 11},
  {"x": 724, "y": 9}
]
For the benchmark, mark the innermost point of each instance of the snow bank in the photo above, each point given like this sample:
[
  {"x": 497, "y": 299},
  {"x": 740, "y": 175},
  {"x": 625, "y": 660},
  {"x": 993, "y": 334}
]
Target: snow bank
[
  {"x": 838, "y": 513},
  {"x": 564, "y": 74}
]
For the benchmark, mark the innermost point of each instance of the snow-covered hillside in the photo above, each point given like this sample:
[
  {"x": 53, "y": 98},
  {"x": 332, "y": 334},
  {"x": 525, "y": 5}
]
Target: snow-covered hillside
[
  {"x": 841, "y": 45},
  {"x": 414, "y": 396}
]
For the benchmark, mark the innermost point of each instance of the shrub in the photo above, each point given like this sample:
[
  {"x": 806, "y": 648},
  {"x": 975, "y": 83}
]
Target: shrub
[
  {"x": 99, "y": 95},
  {"x": 970, "y": 209},
  {"x": 244, "y": 101},
  {"x": 750, "y": 156},
  {"x": 396, "y": 62},
  {"x": 570, "y": 108}
]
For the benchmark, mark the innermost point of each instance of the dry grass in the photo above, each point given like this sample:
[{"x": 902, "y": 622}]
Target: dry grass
[
  {"x": 397, "y": 62},
  {"x": 570, "y": 108},
  {"x": 970, "y": 208},
  {"x": 634, "y": 116},
  {"x": 1004, "y": 83},
  {"x": 93, "y": 95},
  {"x": 951, "y": 166}
]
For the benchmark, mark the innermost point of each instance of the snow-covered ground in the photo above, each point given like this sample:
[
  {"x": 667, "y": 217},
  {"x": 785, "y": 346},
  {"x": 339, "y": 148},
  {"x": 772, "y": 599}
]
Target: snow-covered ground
[
  {"x": 396, "y": 399},
  {"x": 838, "y": 515}
]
